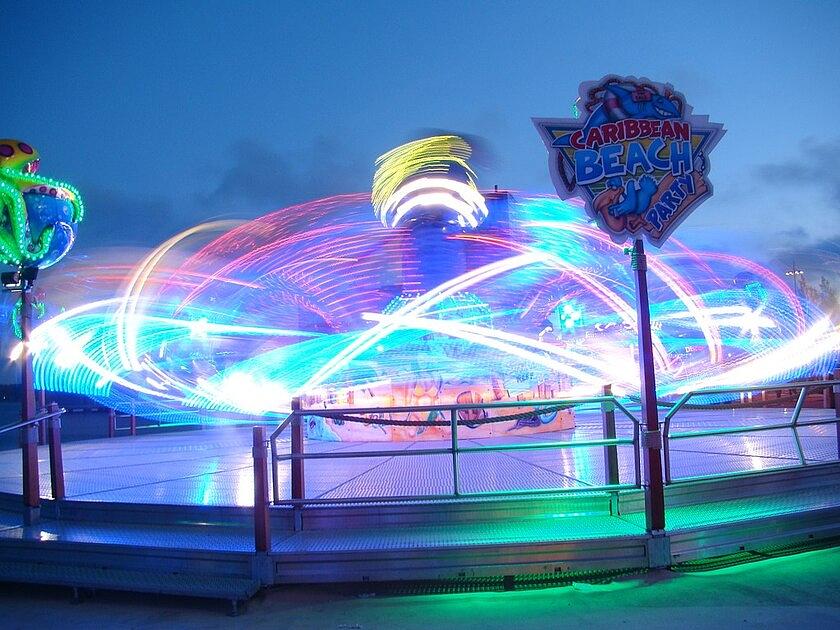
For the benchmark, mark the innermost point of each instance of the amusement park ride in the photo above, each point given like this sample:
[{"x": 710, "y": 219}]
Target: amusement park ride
[
  {"x": 426, "y": 312},
  {"x": 426, "y": 291}
]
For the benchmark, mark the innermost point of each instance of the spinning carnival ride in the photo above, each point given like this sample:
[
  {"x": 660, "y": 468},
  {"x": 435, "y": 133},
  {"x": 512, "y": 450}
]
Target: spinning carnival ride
[{"x": 426, "y": 291}]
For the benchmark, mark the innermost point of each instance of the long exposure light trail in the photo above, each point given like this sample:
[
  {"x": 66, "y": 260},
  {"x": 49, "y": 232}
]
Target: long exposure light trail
[{"x": 322, "y": 300}]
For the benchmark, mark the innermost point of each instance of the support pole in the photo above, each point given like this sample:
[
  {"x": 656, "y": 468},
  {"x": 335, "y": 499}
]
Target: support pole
[
  {"x": 28, "y": 408},
  {"x": 56, "y": 459},
  {"x": 262, "y": 534},
  {"x": 112, "y": 423},
  {"x": 132, "y": 424},
  {"x": 651, "y": 435},
  {"x": 29, "y": 433},
  {"x": 298, "y": 489},
  {"x": 610, "y": 452},
  {"x": 31, "y": 475}
]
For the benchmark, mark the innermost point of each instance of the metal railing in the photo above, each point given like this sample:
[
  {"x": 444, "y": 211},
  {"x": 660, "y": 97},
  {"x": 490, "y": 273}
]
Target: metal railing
[
  {"x": 297, "y": 457},
  {"x": 29, "y": 458},
  {"x": 794, "y": 424},
  {"x": 41, "y": 417}
]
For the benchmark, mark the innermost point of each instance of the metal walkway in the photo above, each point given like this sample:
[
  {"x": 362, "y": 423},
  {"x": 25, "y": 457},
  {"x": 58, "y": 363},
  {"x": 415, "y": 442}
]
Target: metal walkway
[
  {"x": 214, "y": 547},
  {"x": 171, "y": 512},
  {"x": 214, "y": 467}
]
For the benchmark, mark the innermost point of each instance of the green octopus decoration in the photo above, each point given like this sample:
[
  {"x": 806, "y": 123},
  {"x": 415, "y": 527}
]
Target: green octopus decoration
[{"x": 38, "y": 215}]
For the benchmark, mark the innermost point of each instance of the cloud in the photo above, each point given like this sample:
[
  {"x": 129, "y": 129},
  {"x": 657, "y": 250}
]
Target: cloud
[
  {"x": 798, "y": 232},
  {"x": 114, "y": 217},
  {"x": 256, "y": 174},
  {"x": 258, "y": 177},
  {"x": 253, "y": 179},
  {"x": 817, "y": 165},
  {"x": 817, "y": 258}
]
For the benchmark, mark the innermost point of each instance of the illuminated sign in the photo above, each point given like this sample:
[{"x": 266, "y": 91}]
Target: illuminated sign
[{"x": 635, "y": 154}]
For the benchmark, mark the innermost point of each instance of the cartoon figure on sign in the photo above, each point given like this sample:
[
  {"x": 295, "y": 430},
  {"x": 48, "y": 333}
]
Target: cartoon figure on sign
[{"x": 635, "y": 154}]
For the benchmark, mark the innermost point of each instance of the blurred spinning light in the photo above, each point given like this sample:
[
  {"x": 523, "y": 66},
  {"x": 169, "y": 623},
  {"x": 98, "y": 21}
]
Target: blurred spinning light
[
  {"x": 428, "y": 180},
  {"x": 323, "y": 299}
]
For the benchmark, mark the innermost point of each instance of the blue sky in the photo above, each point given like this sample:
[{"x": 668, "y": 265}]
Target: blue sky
[{"x": 168, "y": 114}]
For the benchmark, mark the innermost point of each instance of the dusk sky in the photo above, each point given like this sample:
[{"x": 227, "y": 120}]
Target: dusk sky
[{"x": 168, "y": 114}]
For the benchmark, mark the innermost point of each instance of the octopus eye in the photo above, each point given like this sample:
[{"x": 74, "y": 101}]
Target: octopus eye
[
  {"x": 6, "y": 150},
  {"x": 25, "y": 148}
]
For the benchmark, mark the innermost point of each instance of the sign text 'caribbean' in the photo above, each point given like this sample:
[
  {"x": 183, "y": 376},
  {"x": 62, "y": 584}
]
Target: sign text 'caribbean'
[{"x": 635, "y": 154}]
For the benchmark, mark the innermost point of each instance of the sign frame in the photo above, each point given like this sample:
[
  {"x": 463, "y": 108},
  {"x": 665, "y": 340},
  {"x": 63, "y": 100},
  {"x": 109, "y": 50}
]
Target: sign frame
[{"x": 625, "y": 156}]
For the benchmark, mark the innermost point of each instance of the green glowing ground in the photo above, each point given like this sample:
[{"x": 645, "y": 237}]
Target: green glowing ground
[{"x": 787, "y": 592}]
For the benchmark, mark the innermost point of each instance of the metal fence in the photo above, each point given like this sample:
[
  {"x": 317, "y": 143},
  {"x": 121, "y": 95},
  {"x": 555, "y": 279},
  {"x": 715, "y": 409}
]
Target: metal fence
[
  {"x": 266, "y": 455},
  {"x": 794, "y": 425},
  {"x": 48, "y": 423},
  {"x": 608, "y": 442},
  {"x": 296, "y": 456}
]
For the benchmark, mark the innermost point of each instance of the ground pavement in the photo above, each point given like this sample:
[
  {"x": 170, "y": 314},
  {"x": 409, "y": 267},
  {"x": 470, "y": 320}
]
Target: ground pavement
[{"x": 789, "y": 592}]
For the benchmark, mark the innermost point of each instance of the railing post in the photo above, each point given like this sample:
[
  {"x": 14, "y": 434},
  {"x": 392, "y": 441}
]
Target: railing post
[
  {"x": 666, "y": 449},
  {"x": 262, "y": 533},
  {"x": 42, "y": 425},
  {"x": 836, "y": 393},
  {"x": 453, "y": 424},
  {"x": 610, "y": 452},
  {"x": 298, "y": 488},
  {"x": 112, "y": 423},
  {"x": 31, "y": 476},
  {"x": 800, "y": 403},
  {"x": 666, "y": 434},
  {"x": 828, "y": 395},
  {"x": 837, "y": 398},
  {"x": 637, "y": 455},
  {"x": 275, "y": 490},
  {"x": 794, "y": 421},
  {"x": 56, "y": 459},
  {"x": 132, "y": 422}
]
